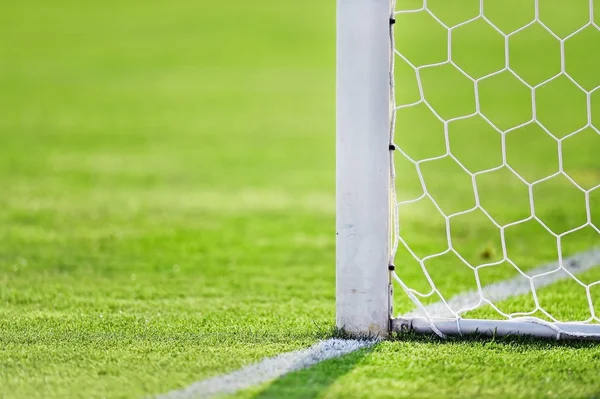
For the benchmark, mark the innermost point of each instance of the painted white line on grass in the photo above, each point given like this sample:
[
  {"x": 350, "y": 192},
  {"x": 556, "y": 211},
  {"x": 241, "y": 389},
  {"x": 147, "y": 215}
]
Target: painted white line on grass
[
  {"x": 271, "y": 368},
  {"x": 519, "y": 285},
  {"x": 268, "y": 369}
]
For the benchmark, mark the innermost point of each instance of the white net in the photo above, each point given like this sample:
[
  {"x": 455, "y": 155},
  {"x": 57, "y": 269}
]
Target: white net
[{"x": 496, "y": 168}]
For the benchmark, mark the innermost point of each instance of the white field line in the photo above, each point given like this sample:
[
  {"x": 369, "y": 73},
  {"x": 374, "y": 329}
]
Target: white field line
[
  {"x": 277, "y": 366},
  {"x": 268, "y": 369},
  {"x": 519, "y": 285}
]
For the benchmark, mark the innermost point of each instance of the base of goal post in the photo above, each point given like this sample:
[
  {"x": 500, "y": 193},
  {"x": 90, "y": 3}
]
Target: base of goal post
[{"x": 496, "y": 328}]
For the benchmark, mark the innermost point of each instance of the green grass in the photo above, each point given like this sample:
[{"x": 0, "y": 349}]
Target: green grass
[
  {"x": 159, "y": 199},
  {"x": 422, "y": 367},
  {"x": 167, "y": 206}
]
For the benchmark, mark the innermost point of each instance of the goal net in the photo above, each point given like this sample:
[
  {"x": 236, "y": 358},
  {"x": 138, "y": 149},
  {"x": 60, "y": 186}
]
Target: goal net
[{"x": 492, "y": 167}]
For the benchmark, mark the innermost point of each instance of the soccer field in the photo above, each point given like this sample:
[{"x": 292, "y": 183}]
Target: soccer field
[{"x": 168, "y": 198}]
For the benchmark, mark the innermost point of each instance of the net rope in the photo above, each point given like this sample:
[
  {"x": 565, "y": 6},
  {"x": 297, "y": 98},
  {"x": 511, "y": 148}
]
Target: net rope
[{"x": 447, "y": 306}]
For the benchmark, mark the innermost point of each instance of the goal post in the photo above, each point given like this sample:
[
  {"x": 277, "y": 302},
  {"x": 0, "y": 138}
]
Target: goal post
[
  {"x": 363, "y": 166},
  {"x": 371, "y": 129}
]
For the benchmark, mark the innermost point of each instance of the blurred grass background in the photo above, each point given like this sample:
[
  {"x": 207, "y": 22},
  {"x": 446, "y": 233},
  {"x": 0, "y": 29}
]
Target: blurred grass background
[{"x": 167, "y": 179}]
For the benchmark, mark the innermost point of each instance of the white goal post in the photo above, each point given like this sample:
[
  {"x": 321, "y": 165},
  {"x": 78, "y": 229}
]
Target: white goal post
[
  {"x": 363, "y": 166},
  {"x": 366, "y": 206}
]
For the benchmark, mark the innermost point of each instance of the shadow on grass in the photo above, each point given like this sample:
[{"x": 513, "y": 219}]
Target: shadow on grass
[
  {"x": 316, "y": 381},
  {"x": 509, "y": 340},
  {"x": 313, "y": 381}
]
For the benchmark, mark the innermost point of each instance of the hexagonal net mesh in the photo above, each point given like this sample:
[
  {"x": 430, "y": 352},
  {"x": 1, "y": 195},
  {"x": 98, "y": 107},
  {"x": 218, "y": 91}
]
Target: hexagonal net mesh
[{"x": 496, "y": 167}]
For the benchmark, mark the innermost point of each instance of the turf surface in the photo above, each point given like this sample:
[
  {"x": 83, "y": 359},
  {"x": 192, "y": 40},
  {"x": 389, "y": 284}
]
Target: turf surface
[
  {"x": 167, "y": 204},
  {"x": 422, "y": 368}
]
